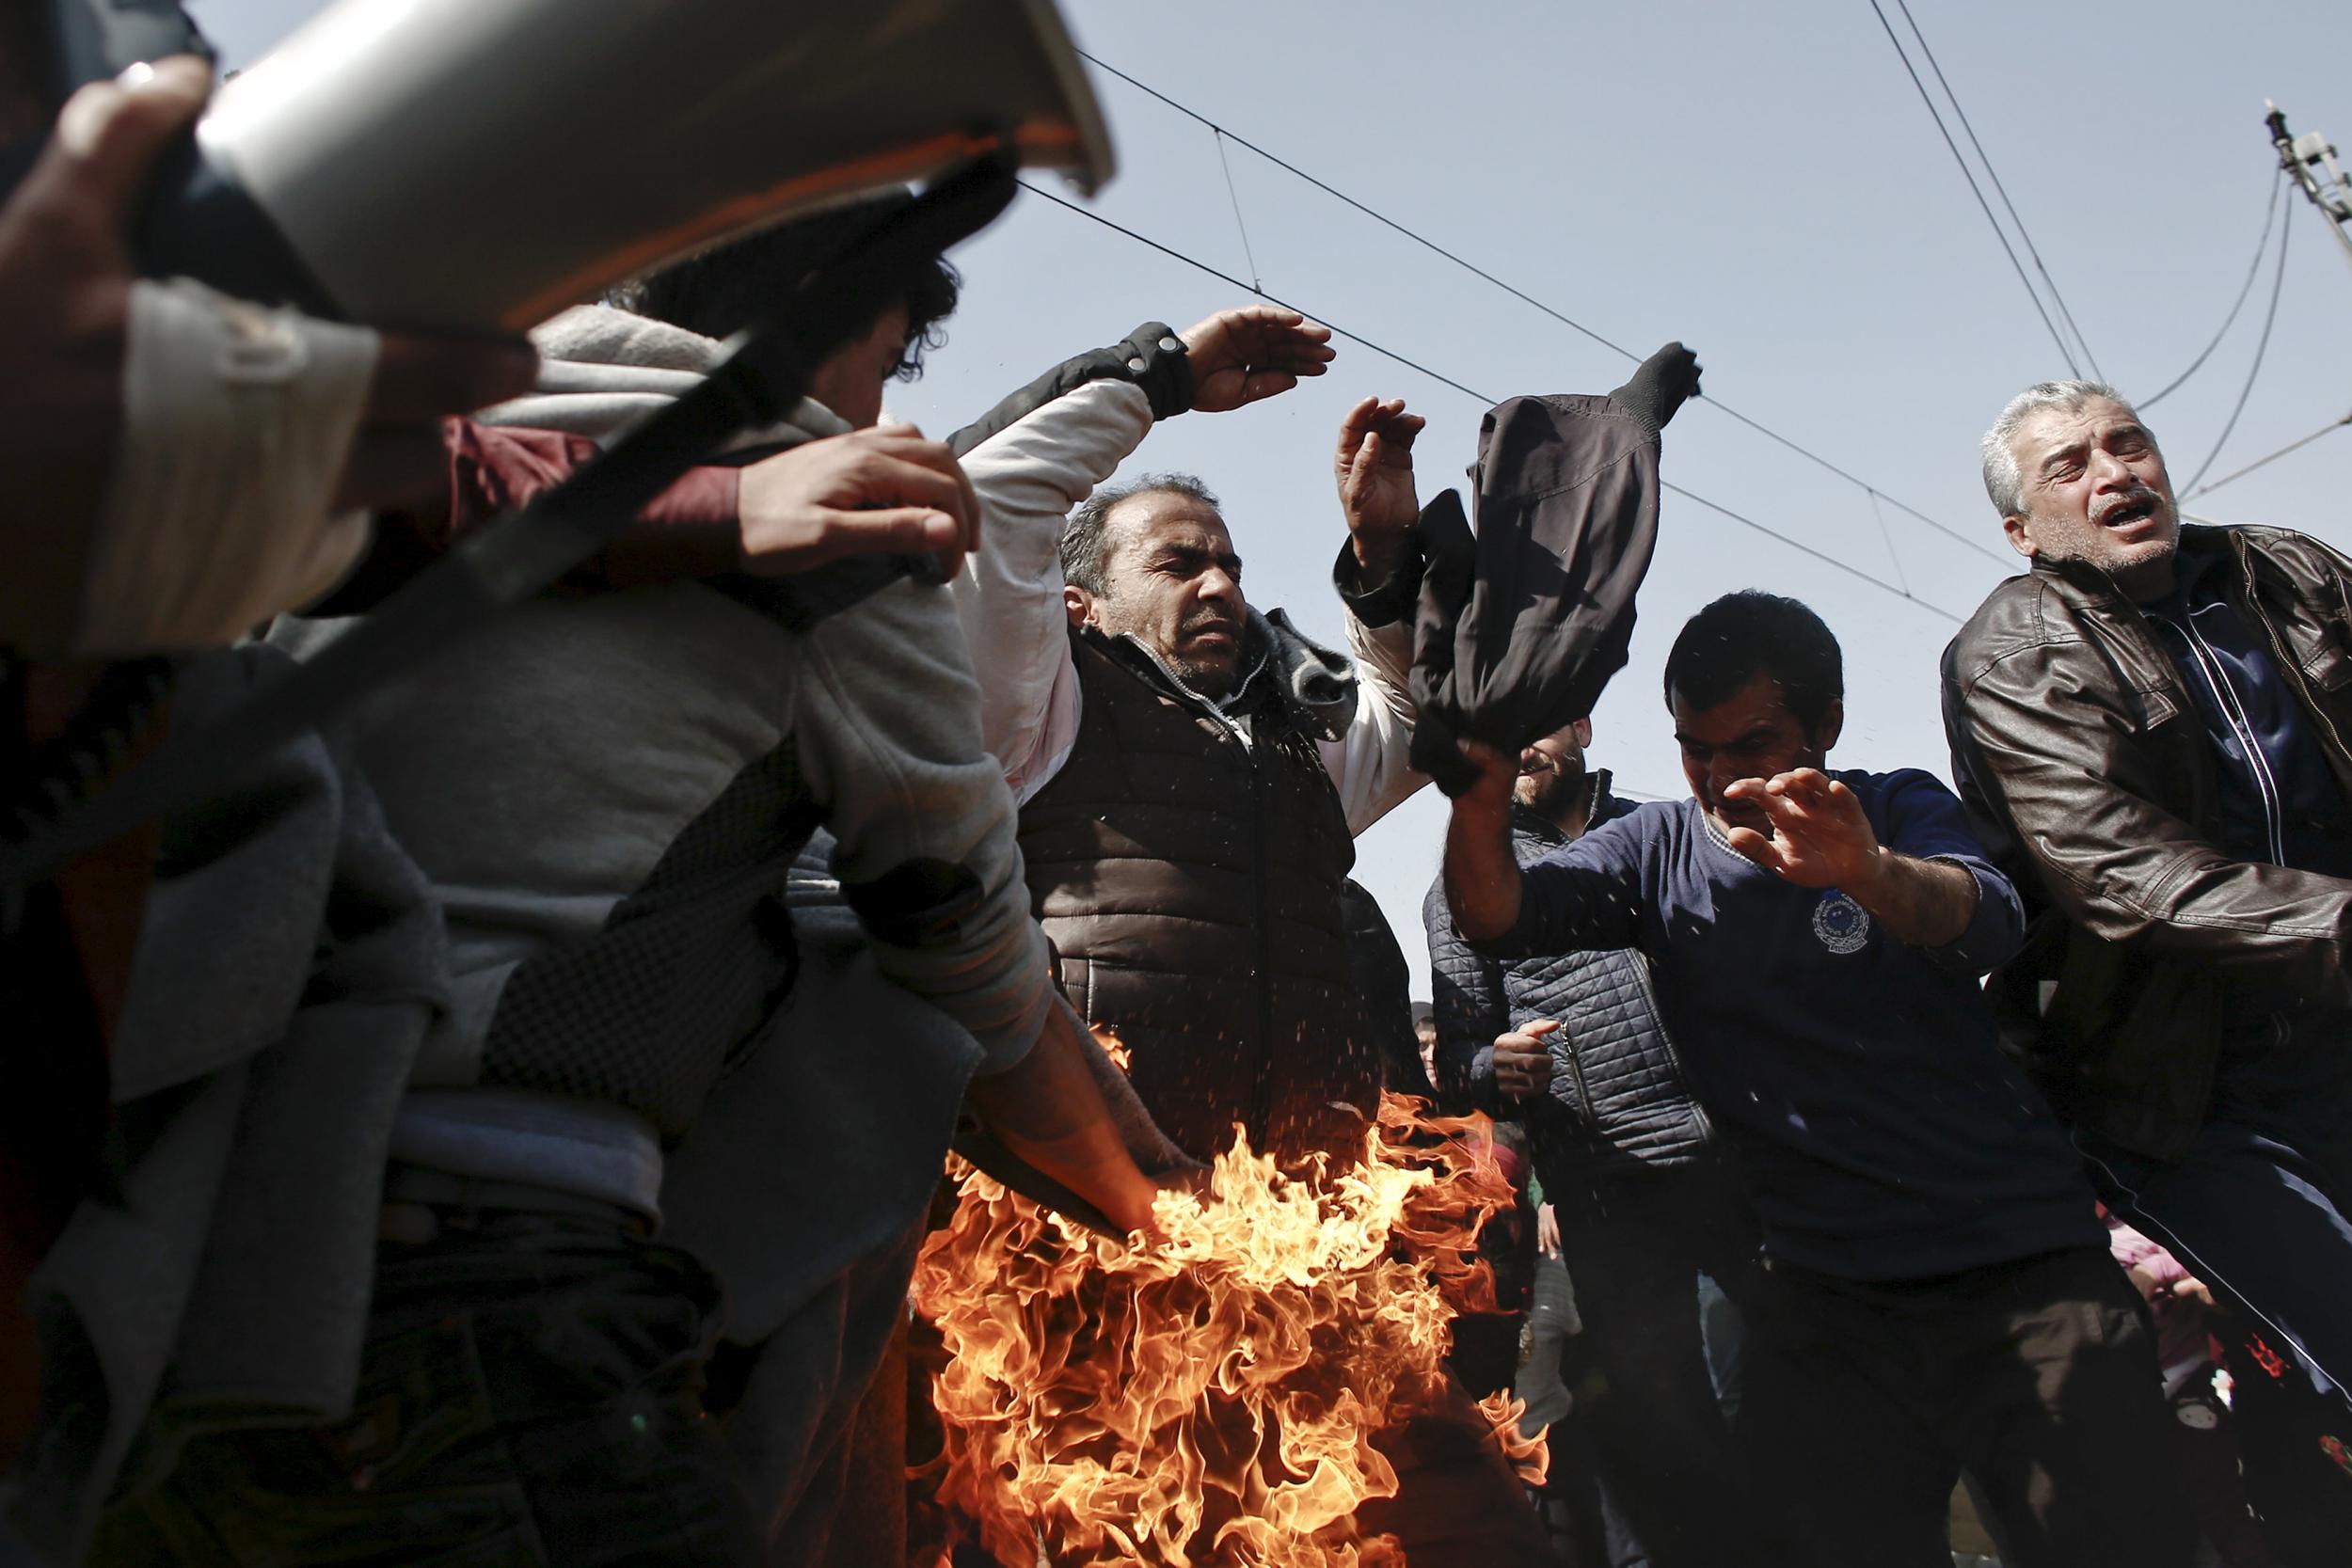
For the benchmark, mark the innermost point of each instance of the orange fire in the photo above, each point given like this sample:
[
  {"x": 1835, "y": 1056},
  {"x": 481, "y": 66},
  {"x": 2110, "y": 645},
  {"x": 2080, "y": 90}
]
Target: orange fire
[{"x": 1211, "y": 1397}]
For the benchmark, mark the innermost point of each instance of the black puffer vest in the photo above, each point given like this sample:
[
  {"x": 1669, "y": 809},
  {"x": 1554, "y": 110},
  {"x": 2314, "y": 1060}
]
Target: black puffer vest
[{"x": 1190, "y": 883}]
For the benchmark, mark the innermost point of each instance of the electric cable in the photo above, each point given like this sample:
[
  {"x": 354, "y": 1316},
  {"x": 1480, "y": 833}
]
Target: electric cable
[
  {"x": 2259, "y": 461},
  {"x": 1469, "y": 392},
  {"x": 2254, "y": 270},
  {"x": 2059, "y": 299},
  {"x": 1978, "y": 191},
  {"x": 1225, "y": 133},
  {"x": 2270, "y": 317}
]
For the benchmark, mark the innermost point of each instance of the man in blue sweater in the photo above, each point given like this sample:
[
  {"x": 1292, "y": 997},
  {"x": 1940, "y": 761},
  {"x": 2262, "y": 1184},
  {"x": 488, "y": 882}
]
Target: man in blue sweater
[{"x": 1936, "y": 1294}]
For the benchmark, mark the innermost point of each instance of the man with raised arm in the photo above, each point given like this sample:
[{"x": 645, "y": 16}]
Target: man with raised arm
[
  {"x": 1192, "y": 771},
  {"x": 1935, "y": 1293}
]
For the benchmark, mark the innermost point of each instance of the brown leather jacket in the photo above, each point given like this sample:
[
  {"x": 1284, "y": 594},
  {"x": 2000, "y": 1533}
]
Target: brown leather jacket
[{"x": 2084, "y": 764}]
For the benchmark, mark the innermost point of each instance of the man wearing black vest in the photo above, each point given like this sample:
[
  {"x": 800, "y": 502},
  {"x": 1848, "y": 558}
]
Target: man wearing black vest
[
  {"x": 1192, "y": 771},
  {"x": 1192, "y": 775}
]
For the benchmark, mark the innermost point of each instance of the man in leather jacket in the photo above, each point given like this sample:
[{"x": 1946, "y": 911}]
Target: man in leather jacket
[{"x": 2149, "y": 729}]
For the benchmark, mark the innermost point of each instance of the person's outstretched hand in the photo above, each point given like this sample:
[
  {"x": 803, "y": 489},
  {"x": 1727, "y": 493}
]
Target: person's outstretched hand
[
  {"x": 1375, "y": 470},
  {"x": 1242, "y": 355},
  {"x": 880, "y": 491},
  {"x": 1819, "y": 837}
]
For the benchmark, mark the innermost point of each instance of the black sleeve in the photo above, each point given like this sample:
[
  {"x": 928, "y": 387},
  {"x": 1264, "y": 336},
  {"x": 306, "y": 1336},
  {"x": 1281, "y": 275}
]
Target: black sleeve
[{"x": 1152, "y": 357}]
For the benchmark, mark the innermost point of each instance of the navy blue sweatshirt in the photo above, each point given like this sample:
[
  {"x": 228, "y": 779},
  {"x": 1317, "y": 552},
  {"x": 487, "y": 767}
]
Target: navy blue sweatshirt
[{"x": 1883, "y": 1134}]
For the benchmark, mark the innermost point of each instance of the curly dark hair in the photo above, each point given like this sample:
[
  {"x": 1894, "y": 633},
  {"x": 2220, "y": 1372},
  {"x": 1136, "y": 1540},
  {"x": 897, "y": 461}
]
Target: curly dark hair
[{"x": 726, "y": 288}]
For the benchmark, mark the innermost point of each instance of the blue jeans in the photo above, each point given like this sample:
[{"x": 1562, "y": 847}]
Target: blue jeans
[{"x": 529, "y": 1397}]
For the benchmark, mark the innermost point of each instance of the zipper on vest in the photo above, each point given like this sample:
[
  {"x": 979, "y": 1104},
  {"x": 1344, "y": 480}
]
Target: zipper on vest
[
  {"x": 1583, "y": 1089},
  {"x": 1186, "y": 694},
  {"x": 1261, "y": 1131}
]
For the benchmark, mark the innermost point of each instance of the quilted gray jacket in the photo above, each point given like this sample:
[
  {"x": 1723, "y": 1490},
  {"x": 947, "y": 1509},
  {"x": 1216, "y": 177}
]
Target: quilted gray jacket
[{"x": 1618, "y": 1098}]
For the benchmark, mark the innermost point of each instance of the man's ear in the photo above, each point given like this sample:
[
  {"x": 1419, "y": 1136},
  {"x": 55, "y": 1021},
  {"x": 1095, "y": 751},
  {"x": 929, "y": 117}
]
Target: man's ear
[
  {"x": 1078, "y": 603},
  {"x": 1832, "y": 725},
  {"x": 2014, "y": 526},
  {"x": 1583, "y": 728}
]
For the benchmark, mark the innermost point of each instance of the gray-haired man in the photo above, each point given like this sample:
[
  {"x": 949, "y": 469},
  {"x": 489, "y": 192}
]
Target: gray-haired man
[{"x": 2149, "y": 729}]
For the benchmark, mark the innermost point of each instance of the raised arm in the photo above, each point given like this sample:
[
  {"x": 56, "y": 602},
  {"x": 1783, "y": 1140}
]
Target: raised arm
[
  {"x": 1483, "y": 885},
  {"x": 1040, "y": 452},
  {"x": 1582, "y": 898},
  {"x": 1378, "y": 578}
]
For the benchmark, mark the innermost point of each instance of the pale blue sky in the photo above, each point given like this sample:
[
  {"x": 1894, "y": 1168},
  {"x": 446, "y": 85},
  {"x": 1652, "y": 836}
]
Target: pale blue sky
[{"x": 1762, "y": 182}]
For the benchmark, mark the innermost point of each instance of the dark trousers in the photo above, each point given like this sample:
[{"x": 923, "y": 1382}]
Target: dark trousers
[
  {"x": 1864, "y": 1402},
  {"x": 1634, "y": 1249},
  {"x": 2259, "y": 1212},
  {"x": 529, "y": 1397}
]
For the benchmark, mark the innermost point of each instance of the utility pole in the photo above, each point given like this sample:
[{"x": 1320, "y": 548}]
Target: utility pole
[{"x": 2313, "y": 163}]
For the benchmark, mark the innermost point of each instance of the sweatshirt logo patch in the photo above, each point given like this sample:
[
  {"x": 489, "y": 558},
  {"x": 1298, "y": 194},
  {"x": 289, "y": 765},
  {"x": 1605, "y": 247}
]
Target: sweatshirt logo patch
[{"x": 1843, "y": 926}]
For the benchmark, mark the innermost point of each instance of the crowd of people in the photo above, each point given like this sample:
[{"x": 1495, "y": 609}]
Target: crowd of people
[{"x": 498, "y": 1126}]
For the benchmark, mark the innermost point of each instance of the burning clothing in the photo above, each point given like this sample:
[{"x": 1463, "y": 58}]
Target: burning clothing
[{"x": 1265, "y": 1388}]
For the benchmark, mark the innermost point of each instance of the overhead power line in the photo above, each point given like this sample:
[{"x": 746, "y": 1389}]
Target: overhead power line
[
  {"x": 2260, "y": 462},
  {"x": 2001, "y": 190},
  {"x": 2270, "y": 318},
  {"x": 1978, "y": 191},
  {"x": 2253, "y": 269},
  {"x": 1225, "y": 133},
  {"x": 1482, "y": 398}
]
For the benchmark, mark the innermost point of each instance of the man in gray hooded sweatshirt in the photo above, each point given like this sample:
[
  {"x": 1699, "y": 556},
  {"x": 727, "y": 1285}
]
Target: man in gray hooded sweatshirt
[{"x": 608, "y": 792}]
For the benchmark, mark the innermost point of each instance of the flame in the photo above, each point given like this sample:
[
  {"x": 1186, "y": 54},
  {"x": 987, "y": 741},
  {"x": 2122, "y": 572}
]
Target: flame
[{"x": 1211, "y": 1395}]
